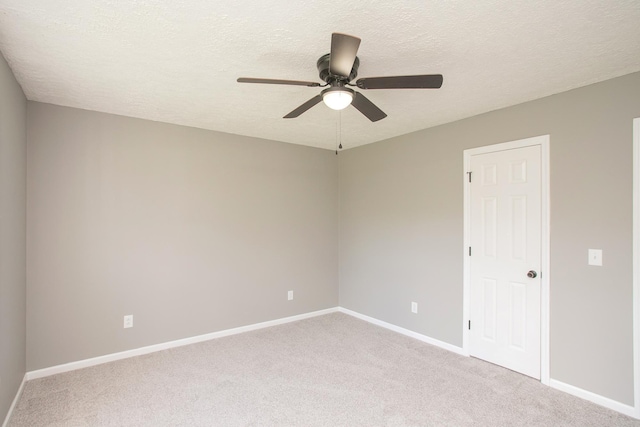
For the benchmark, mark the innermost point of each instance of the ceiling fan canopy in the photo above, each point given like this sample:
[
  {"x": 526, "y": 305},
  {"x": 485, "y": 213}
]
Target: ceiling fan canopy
[{"x": 338, "y": 69}]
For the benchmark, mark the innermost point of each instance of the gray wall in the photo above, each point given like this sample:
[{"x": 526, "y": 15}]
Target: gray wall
[
  {"x": 191, "y": 231},
  {"x": 401, "y": 227},
  {"x": 13, "y": 166}
]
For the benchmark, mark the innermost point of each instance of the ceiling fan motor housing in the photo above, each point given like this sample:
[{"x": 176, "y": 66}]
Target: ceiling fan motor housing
[{"x": 326, "y": 76}]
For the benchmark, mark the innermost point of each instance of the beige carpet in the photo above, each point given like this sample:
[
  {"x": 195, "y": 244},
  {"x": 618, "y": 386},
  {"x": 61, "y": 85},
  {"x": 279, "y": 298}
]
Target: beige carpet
[{"x": 332, "y": 370}]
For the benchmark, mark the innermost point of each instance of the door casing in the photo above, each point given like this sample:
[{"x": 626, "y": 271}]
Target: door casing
[
  {"x": 543, "y": 141},
  {"x": 636, "y": 267}
]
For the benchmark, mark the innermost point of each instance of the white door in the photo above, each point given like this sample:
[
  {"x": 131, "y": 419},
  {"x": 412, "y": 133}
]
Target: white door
[{"x": 505, "y": 238}]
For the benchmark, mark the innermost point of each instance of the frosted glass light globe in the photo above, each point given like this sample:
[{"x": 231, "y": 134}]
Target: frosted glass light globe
[{"x": 337, "y": 99}]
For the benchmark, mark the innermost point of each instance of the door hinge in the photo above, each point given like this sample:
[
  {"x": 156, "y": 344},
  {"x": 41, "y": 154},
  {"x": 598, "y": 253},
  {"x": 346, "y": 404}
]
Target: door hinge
[
  {"x": 469, "y": 324},
  {"x": 469, "y": 250},
  {"x": 469, "y": 175}
]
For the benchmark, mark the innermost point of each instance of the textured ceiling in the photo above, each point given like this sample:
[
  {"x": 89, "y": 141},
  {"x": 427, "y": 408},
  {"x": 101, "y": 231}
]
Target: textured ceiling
[{"x": 177, "y": 61}]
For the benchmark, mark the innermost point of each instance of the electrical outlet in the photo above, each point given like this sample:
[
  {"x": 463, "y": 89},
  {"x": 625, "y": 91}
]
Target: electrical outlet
[
  {"x": 414, "y": 307},
  {"x": 290, "y": 295},
  {"x": 128, "y": 321}
]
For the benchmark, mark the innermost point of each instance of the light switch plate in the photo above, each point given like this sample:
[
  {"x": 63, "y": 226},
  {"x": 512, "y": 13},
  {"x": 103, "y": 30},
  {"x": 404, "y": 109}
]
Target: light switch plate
[{"x": 595, "y": 257}]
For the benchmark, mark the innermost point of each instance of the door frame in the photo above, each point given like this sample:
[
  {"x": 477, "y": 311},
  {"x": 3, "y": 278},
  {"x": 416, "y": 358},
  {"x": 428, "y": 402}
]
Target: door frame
[
  {"x": 543, "y": 141},
  {"x": 636, "y": 267}
]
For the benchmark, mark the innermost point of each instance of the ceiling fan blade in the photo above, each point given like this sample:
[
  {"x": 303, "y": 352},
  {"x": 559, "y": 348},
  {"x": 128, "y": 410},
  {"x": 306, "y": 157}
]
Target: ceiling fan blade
[
  {"x": 367, "y": 108},
  {"x": 278, "y": 82},
  {"x": 304, "y": 107},
  {"x": 343, "y": 54},
  {"x": 427, "y": 81}
]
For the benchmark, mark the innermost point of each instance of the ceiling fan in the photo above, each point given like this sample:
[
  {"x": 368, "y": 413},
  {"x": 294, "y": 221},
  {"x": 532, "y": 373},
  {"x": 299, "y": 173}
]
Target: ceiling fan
[{"x": 337, "y": 69}]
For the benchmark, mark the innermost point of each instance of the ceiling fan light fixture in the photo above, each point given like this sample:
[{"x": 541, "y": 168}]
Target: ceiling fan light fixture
[
  {"x": 338, "y": 97},
  {"x": 337, "y": 69}
]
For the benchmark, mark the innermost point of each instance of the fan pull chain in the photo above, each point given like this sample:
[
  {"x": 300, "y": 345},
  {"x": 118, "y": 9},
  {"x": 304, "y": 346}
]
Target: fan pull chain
[
  {"x": 339, "y": 132},
  {"x": 337, "y": 135},
  {"x": 340, "y": 121}
]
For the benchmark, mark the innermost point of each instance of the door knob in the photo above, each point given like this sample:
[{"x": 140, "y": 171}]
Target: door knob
[{"x": 532, "y": 274}]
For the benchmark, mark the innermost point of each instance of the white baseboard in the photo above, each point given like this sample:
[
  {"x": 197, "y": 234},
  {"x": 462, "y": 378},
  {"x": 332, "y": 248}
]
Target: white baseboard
[
  {"x": 72, "y": 366},
  {"x": 594, "y": 398},
  {"x": 15, "y": 402},
  {"x": 403, "y": 331}
]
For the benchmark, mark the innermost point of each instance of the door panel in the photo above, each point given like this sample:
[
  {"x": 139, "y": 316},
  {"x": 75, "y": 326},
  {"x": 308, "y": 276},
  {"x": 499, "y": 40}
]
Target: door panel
[{"x": 489, "y": 312}]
